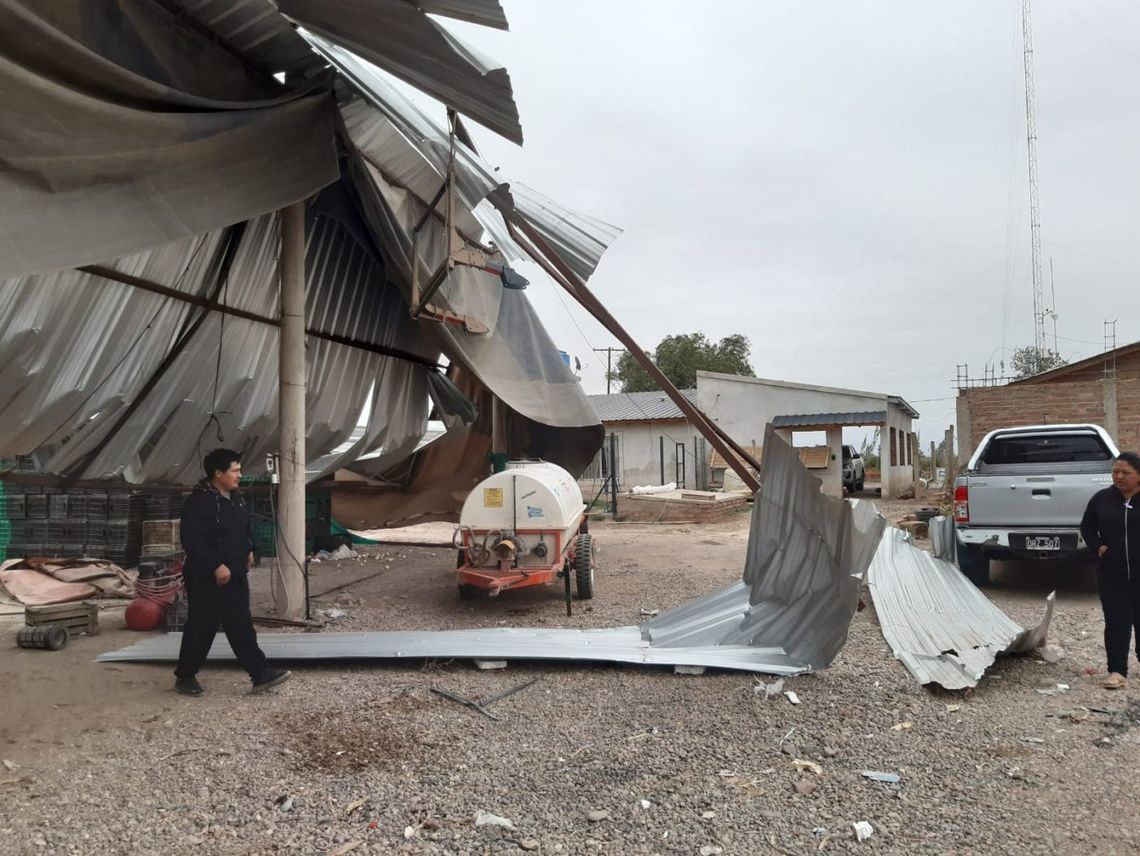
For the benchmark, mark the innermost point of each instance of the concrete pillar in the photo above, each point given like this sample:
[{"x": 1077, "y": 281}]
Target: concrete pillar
[
  {"x": 885, "y": 462},
  {"x": 951, "y": 458},
  {"x": 290, "y": 593},
  {"x": 833, "y": 475},
  {"x": 1111, "y": 413}
]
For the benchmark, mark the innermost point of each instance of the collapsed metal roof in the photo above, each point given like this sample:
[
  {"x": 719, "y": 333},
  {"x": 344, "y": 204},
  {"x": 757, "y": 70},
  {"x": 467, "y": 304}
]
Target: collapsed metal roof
[
  {"x": 937, "y": 623},
  {"x": 790, "y": 612},
  {"x": 149, "y": 149}
]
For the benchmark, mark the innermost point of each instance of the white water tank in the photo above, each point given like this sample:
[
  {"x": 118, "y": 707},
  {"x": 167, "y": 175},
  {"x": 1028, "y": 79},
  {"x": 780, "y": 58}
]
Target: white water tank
[{"x": 527, "y": 495}]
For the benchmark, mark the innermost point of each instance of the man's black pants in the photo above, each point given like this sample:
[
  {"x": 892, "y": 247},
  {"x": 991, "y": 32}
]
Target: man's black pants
[
  {"x": 1120, "y": 600},
  {"x": 211, "y": 606}
]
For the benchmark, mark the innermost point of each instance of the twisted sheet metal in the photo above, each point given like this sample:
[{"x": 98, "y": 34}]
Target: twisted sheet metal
[
  {"x": 937, "y": 623},
  {"x": 790, "y": 614},
  {"x": 77, "y": 348}
]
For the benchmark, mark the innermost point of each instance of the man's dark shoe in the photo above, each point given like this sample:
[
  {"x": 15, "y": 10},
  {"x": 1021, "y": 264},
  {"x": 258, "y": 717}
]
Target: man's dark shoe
[
  {"x": 188, "y": 686},
  {"x": 269, "y": 678}
]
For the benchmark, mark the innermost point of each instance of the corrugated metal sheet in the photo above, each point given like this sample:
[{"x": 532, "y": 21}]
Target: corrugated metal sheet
[
  {"x": 821, "y": 420},
  {"x": 77, "y": 349},
  {"x": 938, "y": 624},
  {"x": 639, "y": 406},
  {"x": 258, "y": 31},
  {"x": 409, "y": 45},
  {"x": 406, "y": 43},
  {"x": 807, "y": 554}
]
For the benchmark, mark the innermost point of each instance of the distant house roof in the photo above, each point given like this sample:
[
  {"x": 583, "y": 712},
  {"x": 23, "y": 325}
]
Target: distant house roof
[
  {"x": 826, "y": 420},
  {"x": 1090, "y": 362},
  {"x": 639, "y": 406}
]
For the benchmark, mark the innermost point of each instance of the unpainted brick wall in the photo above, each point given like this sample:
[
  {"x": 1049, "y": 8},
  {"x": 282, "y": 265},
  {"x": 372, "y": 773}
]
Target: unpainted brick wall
[
  {"x": 1063, "y": 400},
  {"x": 648, "y": 510}
]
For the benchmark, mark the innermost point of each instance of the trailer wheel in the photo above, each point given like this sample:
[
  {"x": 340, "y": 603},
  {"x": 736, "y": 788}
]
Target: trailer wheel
[{"x": 584, "y": 567}]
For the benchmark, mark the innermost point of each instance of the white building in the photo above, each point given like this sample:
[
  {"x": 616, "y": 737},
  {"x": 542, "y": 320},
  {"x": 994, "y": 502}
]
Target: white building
[
  {"x": 742, "y": 406},
  {"x": 656, "y": 443}
]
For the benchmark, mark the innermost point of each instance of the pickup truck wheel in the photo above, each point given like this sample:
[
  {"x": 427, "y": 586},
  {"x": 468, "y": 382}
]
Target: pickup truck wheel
[
  {"x": 974, "y": 563},
  {"x": 859, "y": 485}
]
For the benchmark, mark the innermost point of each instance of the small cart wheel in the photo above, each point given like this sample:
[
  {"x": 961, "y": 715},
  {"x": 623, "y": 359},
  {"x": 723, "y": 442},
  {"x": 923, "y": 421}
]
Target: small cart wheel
[{"x": 584, "y": 567}]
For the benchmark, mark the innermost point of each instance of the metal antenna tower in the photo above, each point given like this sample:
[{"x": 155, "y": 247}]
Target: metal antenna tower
[{"x": 1034, "y": 201}]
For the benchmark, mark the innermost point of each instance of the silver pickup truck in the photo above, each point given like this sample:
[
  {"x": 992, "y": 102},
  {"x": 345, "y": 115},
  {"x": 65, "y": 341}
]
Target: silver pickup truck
[{"x": 1024, "y": 492}]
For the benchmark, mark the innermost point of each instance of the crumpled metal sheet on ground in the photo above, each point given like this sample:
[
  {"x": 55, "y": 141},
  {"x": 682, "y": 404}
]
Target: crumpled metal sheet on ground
[
  {"x": 938, "y": 624},
  {"x": 790, "y": 613}
]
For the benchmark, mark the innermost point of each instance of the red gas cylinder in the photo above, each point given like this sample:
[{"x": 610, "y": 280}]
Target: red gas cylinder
[{"x": 143, "y": 614}]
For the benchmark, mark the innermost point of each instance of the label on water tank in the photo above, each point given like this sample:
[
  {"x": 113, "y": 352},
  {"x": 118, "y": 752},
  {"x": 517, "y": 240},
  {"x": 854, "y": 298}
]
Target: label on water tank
[
  {"x": 532, "y": 512},
  {"x": 492, "y": 497}
]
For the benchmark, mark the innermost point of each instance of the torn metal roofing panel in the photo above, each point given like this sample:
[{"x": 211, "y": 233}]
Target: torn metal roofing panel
[
  {"x": 938, "y": 624},
  {"x": 256, "y": 30},
  {"x": 639, "y": 406},
  {"x": 215, "y": 380},
  {"x": 403, "y": 41},
  {"x": 487, "y": 13},
  {"x": 790, "y": 613},
  {"x": 816, "y": 420},
  {"x": 101, "y": 161},
  {"x": 579, "y": 239}
]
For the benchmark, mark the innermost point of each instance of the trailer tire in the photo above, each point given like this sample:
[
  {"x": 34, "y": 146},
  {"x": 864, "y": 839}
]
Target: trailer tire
[
  {"x": 974, "y": 563},
  {"x": 584, "y": 567}
]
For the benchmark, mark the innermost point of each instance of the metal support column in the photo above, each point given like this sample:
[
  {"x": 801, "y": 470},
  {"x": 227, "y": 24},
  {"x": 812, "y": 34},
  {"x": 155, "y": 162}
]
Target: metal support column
[
  {"x": 613, "y": 474},
  {"x": 290, "y": 593}
]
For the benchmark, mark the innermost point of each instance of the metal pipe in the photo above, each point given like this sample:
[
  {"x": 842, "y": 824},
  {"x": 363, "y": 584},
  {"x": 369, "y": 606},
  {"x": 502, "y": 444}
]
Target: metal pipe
[
  {"x": 734, "y": 456},
  {"x": 235, "y": 312},
  {"x": 290, "y": 597},
  {"x": 613, "y": 472}
]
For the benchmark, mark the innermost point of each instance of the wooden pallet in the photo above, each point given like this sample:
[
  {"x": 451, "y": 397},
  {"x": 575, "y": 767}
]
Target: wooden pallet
[{"x": 78, "y": 617}]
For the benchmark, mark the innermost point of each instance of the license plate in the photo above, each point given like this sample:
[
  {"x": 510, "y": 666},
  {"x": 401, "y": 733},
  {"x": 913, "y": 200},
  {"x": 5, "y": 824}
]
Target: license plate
[{"x": 1043, "y": 542}]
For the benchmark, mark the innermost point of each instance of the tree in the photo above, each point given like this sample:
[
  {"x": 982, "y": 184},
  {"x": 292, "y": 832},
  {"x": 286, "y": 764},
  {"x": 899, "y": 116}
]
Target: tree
[
  {"x": 1029, "y": 361},
  {"x": 681, "y": 357},
  {"x": 869, "y": 451}
]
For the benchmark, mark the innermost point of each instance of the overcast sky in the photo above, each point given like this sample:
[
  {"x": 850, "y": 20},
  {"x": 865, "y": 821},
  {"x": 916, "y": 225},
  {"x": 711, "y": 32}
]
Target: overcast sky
[{"x": 844, "y": 183}]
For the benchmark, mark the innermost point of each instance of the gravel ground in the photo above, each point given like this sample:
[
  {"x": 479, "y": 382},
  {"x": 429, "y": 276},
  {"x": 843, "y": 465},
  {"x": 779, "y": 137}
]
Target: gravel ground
[{"x": 367, "y": 759}]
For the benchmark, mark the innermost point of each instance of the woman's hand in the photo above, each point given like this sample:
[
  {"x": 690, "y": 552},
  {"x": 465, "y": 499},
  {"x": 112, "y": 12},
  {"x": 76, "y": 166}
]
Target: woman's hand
[{"x": 1101, "y": 550}]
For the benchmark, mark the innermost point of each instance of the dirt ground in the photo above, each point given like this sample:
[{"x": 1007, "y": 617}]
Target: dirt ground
[{"x": 351, "y": 758}]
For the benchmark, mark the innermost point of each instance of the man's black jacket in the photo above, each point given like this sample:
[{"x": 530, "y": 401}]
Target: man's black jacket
[{"x": 215, "y": 531}]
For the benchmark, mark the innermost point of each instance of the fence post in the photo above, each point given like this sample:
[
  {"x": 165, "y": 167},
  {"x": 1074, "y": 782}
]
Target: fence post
[{"x": 613, "y": 473}]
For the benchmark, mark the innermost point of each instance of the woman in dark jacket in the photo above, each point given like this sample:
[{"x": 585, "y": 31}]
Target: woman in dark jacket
[{"x": 1111, "y": 528}]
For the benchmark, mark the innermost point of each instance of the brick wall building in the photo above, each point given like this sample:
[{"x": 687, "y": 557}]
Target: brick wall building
[{"x": 1104, "y": 389}]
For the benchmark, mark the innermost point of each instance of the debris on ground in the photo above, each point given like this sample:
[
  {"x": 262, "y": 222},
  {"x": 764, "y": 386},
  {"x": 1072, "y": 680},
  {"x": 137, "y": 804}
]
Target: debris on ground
[
  {"x": 792, "y": 697},
  {"x": 863, "y": 830},
  {"x": 801, "y": 764},
  {"x": 597, "y": 816},
  {"x": 876, "y": 776},
  {"x": 769, "y": 690},
  {"x": 485, "y": 818}
]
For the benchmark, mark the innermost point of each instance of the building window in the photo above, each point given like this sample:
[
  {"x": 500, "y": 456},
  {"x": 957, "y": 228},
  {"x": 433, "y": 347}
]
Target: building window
[{"x": 894, "y": 448}]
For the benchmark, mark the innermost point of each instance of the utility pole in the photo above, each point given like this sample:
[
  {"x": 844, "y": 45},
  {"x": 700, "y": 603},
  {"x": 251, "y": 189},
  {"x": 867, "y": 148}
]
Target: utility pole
[
  {"x": 1034, "y": 200},
  {"x": 609, "y": 352}
]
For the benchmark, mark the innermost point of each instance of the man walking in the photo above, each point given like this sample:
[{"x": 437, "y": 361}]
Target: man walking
[{"x": 219, "y": 552}]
